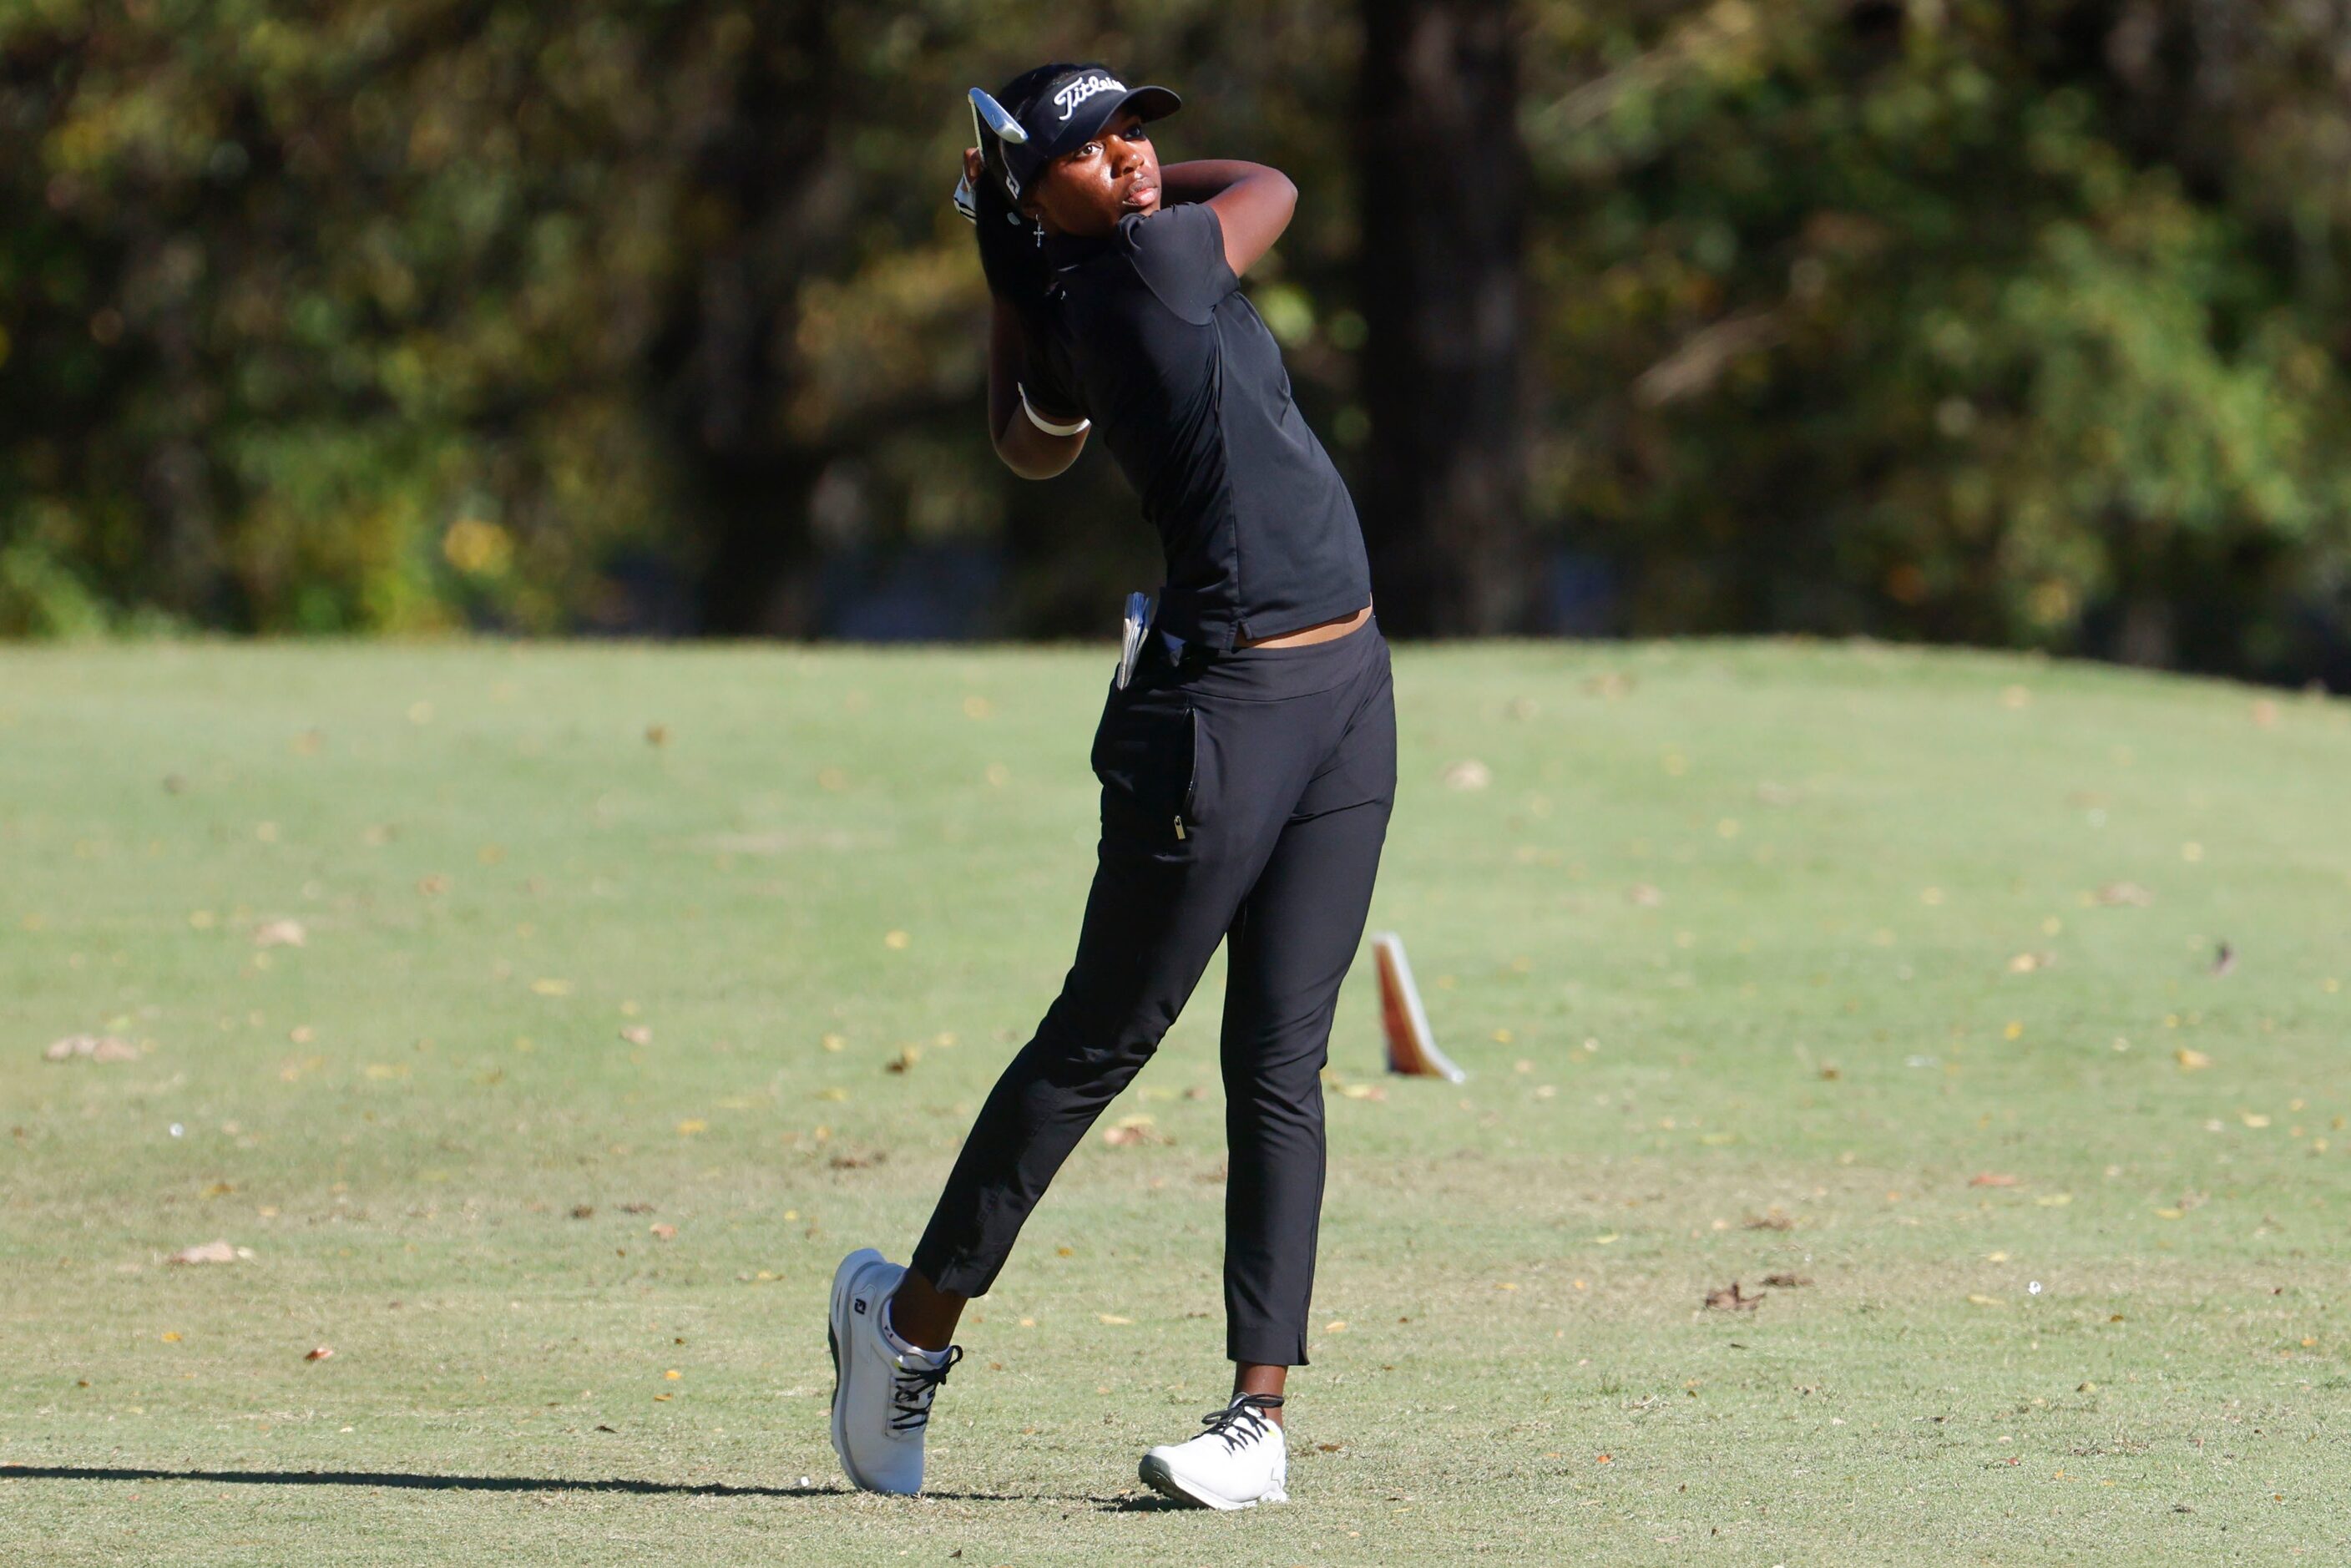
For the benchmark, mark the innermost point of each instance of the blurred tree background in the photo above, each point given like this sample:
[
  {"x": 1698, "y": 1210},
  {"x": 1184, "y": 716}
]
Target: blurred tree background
[{"x": 2005, "y": 321}]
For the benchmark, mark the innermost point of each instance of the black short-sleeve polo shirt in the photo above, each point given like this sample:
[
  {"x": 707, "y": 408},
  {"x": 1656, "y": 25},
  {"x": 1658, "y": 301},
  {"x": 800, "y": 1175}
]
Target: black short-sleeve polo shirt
[{"x": 1153, "y": 341}]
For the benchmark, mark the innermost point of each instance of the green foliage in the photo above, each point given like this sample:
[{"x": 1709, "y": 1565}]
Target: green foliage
[
  {"x": 1922, "y": 329},
  {"x": 383, "y": 317},
  {"x": 2014, "y": 323},
  {"x": 301, "y": 292},
  {"x": 40, "y": 596}
]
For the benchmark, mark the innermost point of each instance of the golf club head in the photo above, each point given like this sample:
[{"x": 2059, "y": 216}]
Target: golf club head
[
  {"x": 992, "y": 126},
  {"x": 985, "y": 108}
]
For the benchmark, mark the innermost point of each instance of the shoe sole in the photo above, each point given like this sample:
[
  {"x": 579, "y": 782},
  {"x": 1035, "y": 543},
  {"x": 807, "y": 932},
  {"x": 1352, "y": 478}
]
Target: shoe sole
[
  {"x": 1155, "y": 1473},
  {"x": 842, "y": 1277}
]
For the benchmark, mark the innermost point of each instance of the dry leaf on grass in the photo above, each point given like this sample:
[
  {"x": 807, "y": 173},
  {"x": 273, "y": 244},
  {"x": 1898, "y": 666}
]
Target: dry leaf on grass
[
  {"x": 583, "y": 1212},
  {"x": 210, "y": 1252},
  {"x": 637, "y": 1034},
  {"x": 321, "y": 1353},
  {"x": 1775, "y": 1220},
  {"x": 1134, "y": 1131},
  {"x": 662, "y": 1230},
  {"x": 93, "y": 1047},
  {"x": 1786, "y": 1281},
  {"x": 1991, "y": 1179},
  {"x": 647, "y": 1209},
  {"x": 2191, "y": 1060},
  {"x": 904, "y": 1060},
  {"x": 848, "y": 1162},
  {"x": 1730, "y": 1299},
  {"x": 280, "y": 933},
  {"x": 1468, "y": 774}
]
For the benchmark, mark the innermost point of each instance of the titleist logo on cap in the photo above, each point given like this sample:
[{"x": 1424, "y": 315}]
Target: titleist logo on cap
[{"x": 1084, "y": 87}]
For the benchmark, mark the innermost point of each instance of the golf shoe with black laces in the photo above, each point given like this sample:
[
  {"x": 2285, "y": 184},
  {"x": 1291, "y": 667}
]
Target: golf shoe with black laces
[
  {"x": 882, "y": 1386},
  {"x": 1239, "y": 1461}
]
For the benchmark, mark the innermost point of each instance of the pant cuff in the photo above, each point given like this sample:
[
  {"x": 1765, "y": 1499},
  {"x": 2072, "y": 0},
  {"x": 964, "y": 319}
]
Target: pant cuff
[
  {"x": 1266, "y": 1347},
  {"x": 960, "y": 1277}
]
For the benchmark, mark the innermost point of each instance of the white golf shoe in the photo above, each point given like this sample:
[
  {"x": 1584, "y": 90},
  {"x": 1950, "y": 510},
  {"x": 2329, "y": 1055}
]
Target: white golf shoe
[
  {"x": 1239, "y": 1461},
  {"x": 882, "y": 1386}
]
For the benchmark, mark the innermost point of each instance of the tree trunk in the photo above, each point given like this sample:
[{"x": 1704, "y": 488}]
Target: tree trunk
[
  {"x": 726, "y": 354},
  {"x": 1443, "y": 187}
]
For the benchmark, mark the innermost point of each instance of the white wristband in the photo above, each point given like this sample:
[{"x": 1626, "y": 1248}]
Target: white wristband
[{"x": 1041, "y": 422}]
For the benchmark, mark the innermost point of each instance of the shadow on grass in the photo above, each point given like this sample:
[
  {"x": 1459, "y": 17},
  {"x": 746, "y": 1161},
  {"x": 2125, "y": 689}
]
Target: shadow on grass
[{"x": 477, "y": 1483}]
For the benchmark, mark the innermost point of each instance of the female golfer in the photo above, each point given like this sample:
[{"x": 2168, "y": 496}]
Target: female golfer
[{"x": 1247, "y": 767}]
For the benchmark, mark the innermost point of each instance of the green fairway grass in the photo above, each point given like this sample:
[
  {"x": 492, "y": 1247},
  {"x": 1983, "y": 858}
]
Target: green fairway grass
[{"x": 636, "y": 986}]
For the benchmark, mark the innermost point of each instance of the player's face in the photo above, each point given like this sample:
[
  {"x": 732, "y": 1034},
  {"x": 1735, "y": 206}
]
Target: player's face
[{"x": 1087, "y": 190}]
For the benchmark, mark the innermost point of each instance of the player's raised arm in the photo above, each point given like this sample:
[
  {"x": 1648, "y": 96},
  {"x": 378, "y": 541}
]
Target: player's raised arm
[
  {"x": 1034, "y": 442},
  {"x": 1253, "y": 203},
  {"x": 1035, "y": 438}
]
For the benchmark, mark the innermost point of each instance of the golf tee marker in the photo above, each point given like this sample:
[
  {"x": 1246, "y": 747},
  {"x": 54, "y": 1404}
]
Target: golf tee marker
[{"x": 1411, "y": 1047}]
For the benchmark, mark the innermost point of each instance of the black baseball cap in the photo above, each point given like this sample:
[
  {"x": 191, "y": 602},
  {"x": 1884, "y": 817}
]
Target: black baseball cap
[{"x": 1070, "y": 110}]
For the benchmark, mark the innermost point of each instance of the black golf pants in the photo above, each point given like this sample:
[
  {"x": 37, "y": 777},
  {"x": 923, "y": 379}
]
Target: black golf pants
[{"x": 1245, "y": 797}]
